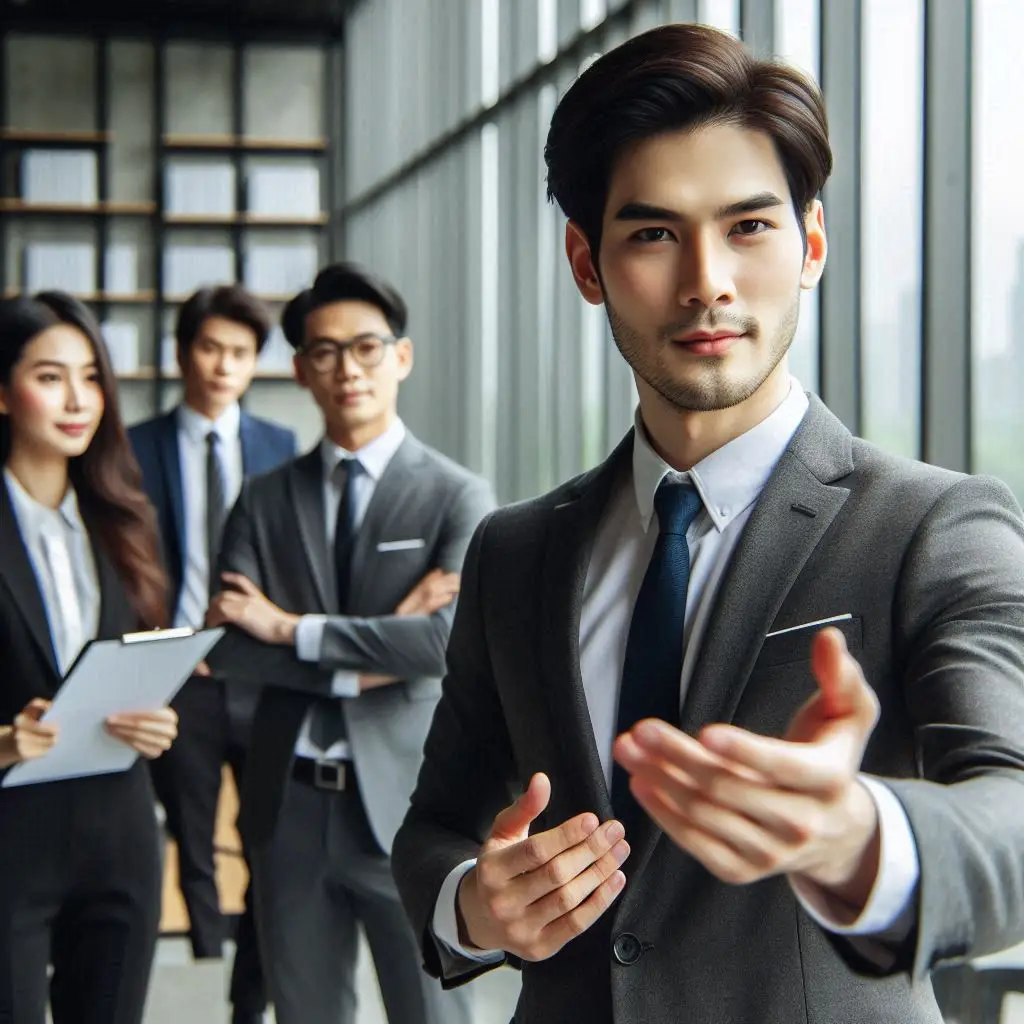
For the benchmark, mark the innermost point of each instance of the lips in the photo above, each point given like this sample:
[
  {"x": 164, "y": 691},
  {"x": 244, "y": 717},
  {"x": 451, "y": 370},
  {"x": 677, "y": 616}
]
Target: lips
[
  {"x": 73, "y": 429},
  {"x": 712, "y": 343}
]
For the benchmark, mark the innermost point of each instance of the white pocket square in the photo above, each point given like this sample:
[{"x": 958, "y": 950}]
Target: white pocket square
[
  {"x": 811, "y": 625},
  {"x": 402, "y": 545}
]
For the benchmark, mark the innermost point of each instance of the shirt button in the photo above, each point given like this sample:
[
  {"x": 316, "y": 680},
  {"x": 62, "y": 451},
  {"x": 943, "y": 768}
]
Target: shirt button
[
  {"x": 627, "y": 949},
  {"x": 723, "y": 511}
]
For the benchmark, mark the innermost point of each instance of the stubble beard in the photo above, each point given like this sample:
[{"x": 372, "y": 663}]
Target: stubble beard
[{"x": 710, "y": 387}]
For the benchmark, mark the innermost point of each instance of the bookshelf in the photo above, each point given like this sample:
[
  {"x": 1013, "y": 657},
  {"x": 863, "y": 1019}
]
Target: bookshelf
[{"x": 146, "y": 116}]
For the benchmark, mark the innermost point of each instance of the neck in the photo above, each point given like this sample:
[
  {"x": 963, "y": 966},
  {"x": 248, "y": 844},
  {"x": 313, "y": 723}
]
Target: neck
[
  {"x": 205, "y": 406},
  {"x": 683, "y": 437},
  {"x": 45, "y": 478},
  {"x": 354, "y": 438}
]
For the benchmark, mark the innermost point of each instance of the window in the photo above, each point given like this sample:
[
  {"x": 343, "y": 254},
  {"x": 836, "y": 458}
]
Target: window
[
  {"x": 892, "y": 120},
  {"x": 797, "y": 40},
  {"x": 997, "y": 276}
]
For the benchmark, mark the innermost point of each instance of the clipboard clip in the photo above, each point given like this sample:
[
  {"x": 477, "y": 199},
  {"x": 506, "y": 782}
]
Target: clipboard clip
[{"x": 157, "y": 634}]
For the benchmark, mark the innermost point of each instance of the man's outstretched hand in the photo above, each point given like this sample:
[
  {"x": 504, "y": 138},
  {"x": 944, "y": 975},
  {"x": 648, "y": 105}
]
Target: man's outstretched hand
[
  {"x": 749, "y": 806},
  {"x": 530, "y": 895}
]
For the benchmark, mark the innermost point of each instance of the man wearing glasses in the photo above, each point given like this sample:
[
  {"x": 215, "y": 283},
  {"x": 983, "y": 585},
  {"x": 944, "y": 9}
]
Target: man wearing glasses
[{"x": 340, "y": 571}]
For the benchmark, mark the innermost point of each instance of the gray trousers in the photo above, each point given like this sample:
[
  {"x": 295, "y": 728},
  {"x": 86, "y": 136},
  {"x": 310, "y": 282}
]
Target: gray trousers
[{"x": 319, "y": 877}]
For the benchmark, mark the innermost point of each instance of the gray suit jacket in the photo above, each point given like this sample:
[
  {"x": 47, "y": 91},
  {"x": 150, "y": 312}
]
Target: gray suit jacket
[
  {"x": 931, "y": 566},
  {"x": 276, "y": 535}
]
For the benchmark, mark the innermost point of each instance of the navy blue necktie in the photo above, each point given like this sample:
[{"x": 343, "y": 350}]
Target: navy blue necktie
[
  {"x": 345, "y": 529},
  {"x": 653, "y": 667}
]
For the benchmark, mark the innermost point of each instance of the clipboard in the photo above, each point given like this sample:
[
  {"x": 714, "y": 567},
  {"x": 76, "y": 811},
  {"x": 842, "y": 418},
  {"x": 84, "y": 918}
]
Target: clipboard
[{"x": 136, "y": 672}]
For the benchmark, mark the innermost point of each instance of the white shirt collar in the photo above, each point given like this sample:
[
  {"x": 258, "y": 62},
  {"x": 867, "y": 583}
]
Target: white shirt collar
[
  {"x": 29, "y": 510},
  {"x": 196, "y": 426},
  {"x": 374, "y": 456},
  {"x": 730, "y": 478}
]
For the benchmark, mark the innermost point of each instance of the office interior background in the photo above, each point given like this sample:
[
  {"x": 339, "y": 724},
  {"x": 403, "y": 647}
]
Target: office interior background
[{"x": 256, "y": 140}]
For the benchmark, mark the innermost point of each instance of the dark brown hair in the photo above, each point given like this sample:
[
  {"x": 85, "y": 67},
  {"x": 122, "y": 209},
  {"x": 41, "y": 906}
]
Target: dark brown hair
[
  {"x": 344, "y": 282},
  {"x": 229, "y": 301},
  {"x": 106, "y": 477},
  {"x": 676, "y": 78}
]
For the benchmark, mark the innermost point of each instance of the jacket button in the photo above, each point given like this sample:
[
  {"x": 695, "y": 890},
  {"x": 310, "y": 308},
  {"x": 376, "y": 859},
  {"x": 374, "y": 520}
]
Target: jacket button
[{"x": 627, "y": 949}]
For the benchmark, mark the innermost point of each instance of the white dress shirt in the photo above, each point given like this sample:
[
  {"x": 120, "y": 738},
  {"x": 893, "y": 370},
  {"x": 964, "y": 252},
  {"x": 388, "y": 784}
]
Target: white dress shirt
[
  {"x": 729, "y": 482},
  {"x": 193, "y": 429},
  {"x": 65, "y": 568},
  {"x": 309, "y": 634}
]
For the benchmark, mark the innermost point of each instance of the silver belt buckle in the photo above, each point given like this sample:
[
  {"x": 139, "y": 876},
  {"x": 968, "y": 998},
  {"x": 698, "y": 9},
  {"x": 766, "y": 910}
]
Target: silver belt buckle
[{"x": 329, "y": 775}]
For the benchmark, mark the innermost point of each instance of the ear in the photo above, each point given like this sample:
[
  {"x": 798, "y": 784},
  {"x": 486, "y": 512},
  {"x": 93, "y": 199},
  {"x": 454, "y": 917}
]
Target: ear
[
  {"x": 404, "y": 357},
  {"x": 584, "y": 270},
  {"x": 300, "y": 371},
  {"x": 817, "y": 246},
  {"x": 182, "y": 353}
]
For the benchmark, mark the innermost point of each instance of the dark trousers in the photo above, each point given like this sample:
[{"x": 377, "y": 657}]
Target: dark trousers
[
  {"x": 318, "y": 878},
  {"x": 187, "y": 781},
  {"x": 80, "y": 885}
]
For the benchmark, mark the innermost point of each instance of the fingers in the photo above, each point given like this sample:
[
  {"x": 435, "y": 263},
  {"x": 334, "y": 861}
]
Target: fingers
[
  {"x": 149, "y": 737},
  {"x": 202, "y": 669},
  {"x": 512, "y": 823},
  {"x": 33, "y": 738},
  {"x": 568, "y": 878},
  {"x": 35, "y": 709},
  {"x": 240, "y": 583},
  {"x": 575, "y": 922},
  {"x": 841, "y": 681}
]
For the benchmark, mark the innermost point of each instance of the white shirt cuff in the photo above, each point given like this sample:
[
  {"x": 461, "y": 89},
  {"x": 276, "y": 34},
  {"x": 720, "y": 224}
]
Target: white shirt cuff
[
  {"x": 309, "y": 638},
  {"x": 345, "y": 683},
  {"x": 446, "y": 927},
  {"x": 890, "y": 903}
]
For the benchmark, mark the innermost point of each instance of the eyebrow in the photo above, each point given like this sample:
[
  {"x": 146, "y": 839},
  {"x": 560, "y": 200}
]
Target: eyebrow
[
  {"x": 59, "y": 365},
  {"x": 752, "y": 204}
]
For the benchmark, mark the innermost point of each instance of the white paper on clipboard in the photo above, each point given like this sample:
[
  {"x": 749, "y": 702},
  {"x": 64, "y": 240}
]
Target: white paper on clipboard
[{"x": 138, "y": 672}]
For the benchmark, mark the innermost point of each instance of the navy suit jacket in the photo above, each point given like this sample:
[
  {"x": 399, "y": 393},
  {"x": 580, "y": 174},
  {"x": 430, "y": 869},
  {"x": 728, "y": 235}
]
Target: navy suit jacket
[{"x": 265, "y": 446}]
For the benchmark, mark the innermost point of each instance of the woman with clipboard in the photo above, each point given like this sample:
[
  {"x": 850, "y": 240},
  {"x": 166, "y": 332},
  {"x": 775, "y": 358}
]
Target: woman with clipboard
[{"x": 80, "y": 878}]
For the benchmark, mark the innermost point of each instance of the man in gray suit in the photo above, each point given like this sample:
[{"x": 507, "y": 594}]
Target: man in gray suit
[
  {"x": 321, "y": 561},
  {"x": 758, "y": 684}
]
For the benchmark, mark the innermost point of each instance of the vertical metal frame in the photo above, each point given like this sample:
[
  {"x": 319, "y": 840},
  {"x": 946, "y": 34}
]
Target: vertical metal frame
[
  {"x": 159, "y": 227},
  {"x": 840, "y": 374},
  {"x": 238, "y": 53},
  {"x": 4, "y": 113},
  {"x": 101, "y": 105},
  {"x": 946, "y": 313}
]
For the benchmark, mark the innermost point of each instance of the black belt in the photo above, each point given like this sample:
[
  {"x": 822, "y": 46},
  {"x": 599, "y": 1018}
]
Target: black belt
[{"x": 336, "y": 776}]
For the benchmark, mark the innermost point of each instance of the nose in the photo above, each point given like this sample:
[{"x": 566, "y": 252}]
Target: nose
[
  {"x": 707, "y": 273},
  {"x": 74, "y": 397},
  {"x": 347, "y": 367}
]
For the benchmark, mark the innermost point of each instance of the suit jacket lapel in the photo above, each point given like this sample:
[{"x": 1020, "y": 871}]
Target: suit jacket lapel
[
  {"x": 170, "y": 462},
  {"x": 250, "y": 445},
  {"x": 793, "y": 513},
  {"x": 394, "y": 490},
  {"x": 572, "y": 527},
  {"x": 306, "y": 480},
  {"x": 19, "y": 576}
]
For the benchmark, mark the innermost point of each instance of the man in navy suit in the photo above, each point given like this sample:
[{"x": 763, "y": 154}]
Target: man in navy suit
[{"x": 193, "y": 460}]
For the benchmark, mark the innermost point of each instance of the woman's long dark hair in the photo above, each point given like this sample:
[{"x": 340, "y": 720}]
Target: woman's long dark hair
[{"x": 106, "y": 477}]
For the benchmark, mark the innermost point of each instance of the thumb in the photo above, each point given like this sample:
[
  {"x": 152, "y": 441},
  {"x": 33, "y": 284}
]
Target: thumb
[
  {"x": 35, "y": 709},
  {"x": 513, "y": 823},
  {"x": 844, "y": 691}
]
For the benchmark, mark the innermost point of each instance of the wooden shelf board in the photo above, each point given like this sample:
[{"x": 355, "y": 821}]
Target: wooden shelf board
[
  {"x": 32, "y": 135},
  {"x": 109, "y": 208},
  {"x": 252, "y": 220},
  {"x": 138, "y": 298},
  {"x": 216, "y": 143}
]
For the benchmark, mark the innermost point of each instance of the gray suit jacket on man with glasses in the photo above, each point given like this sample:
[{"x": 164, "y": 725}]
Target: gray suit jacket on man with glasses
[
  {"x": 276, "y": 535},
  {"x": 929, "y": 564}
]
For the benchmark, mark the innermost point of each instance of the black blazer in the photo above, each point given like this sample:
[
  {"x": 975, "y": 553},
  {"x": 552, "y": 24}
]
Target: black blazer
[{"x": 29, "y": 666}]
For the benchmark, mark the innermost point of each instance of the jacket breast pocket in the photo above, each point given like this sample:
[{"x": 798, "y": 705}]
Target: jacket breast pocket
[{"x": 794, "y": 645}]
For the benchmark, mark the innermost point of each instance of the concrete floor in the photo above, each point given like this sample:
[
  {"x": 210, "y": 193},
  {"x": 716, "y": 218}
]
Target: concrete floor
[{"x": 183, "y": 991}]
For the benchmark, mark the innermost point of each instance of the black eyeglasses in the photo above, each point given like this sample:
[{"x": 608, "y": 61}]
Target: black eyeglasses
[{"x": 367, "y": 350}]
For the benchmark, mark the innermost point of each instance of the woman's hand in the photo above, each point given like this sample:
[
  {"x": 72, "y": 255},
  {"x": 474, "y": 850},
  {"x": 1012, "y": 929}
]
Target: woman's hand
[
  {"x": 148, "y": 732},
  {"x": 29, "y": 738}
]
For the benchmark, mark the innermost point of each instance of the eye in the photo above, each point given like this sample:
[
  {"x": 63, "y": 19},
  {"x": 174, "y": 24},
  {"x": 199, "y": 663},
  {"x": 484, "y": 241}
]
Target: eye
[
  {"x": 749, "y": 228},
  {"x": 49, "y": 378},
  {"x": 652, "y": 235}
]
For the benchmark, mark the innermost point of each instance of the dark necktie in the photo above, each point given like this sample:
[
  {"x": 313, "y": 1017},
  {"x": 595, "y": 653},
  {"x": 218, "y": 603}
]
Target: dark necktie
[
  {"x": 328, "y": 722},
  {"x": 216, "y": 505},
  {"x": 653, "y": 666}
]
